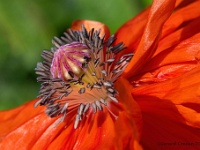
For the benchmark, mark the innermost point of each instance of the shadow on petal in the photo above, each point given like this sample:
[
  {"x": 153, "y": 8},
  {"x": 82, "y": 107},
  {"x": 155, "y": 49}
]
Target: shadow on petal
[{"x": 164, "y": 127}]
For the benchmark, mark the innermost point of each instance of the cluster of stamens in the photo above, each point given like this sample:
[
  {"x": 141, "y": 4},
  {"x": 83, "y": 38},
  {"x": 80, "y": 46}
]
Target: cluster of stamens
[{"x": 79, "y": 72}]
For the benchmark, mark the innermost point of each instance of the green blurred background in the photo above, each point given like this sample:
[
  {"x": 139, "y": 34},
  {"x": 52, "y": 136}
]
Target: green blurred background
[{"x": 27, "y": 27}]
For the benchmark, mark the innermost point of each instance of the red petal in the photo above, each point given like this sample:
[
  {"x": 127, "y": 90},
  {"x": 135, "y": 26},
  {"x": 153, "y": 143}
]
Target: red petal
[
  {"x": 177, "y": 52},
  {"x": 179, "y": 90},
  {"x": 181, "y": 16},
  {"x": 172, "y": 62},
  {"x": 179, "y": 35},
  {"x": 182, "y": 3},
  {"x": 96, "y": 131},
  {"x": 89, "y": 25},
  {"x": 171, "y": 112},
  {"x": 99, "y": 130},
  {"x": 159, "y": 13},
  {"x": 131, "y": 32},
  {"x": 12, "y": 119}
]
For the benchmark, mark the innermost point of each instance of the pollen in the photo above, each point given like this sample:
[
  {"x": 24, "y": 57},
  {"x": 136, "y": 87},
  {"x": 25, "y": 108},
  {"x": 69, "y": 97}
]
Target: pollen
[{"x": 79, "y": 73}]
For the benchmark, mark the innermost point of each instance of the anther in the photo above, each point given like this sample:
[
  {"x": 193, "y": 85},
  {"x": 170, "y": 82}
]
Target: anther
[
  {"x": 64, "y": 108},
  {"x": 104, "y": 72},
  {"x": 98, "y": 104},
  {"x": 81, "y": 91}
]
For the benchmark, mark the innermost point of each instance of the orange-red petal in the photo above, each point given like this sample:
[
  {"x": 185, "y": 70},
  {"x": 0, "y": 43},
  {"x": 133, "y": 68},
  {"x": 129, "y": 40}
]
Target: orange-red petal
[
  {"x": 159, "y": 13},
  {"x": 178, "y": 49},
  {"x": 12, "y": 119},
  {"x": 89, "y": 25},
  {"x": 96, "y": 131},
  {"x": 171, "y": 62},
  {"x": 131, "y": 32},
  {"x": 176, "y": 37},
  {"x": 171, "y": 112},
  {"x": 183, "y": 15}
]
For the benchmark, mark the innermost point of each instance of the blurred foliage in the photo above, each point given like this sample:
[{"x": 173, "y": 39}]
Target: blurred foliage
[{"x": 27, "y": 27}]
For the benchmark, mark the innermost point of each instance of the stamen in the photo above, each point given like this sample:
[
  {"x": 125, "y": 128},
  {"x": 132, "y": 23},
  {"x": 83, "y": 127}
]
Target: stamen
[
  {"x": 98, "y": 104},
  {"x": 77, "y": 74},
  {"x": 81, "y": 91},
  {"x": 86, "y": 108}
]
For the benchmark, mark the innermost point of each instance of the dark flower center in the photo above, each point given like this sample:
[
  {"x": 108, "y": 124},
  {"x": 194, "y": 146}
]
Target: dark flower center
[{"x": 79, "y": 72}]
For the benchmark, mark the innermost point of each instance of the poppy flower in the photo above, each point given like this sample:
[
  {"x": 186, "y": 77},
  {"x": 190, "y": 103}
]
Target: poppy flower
[
  {"x": 84, "y": 104},
  {"x": 153, "y": 103}
]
